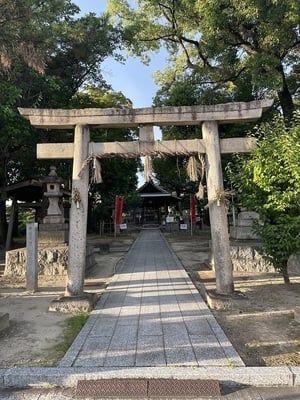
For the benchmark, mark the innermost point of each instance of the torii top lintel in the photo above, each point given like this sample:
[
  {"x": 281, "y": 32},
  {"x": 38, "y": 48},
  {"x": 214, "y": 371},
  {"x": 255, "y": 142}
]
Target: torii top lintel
[{"x": 113, "y": 117}]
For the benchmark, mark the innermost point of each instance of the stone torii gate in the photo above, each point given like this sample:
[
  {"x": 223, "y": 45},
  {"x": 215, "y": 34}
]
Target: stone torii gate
[{"x": 145, "y": 118}]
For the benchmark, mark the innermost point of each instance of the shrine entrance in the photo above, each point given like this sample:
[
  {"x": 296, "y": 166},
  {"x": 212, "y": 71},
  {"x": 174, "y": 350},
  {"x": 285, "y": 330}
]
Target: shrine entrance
[
  {"x": 156, "y": 203},
  {"x": 83, "y": 152}
]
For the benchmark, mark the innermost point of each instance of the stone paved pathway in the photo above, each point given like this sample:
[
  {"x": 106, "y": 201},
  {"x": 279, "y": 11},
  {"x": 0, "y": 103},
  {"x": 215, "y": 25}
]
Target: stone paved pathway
[{"x": 151, "y": 315}]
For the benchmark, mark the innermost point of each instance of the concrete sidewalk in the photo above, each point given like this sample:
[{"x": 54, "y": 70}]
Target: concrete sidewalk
[
  {"x": 151, "y": 316},
  {"x": 152, "y": 323}
]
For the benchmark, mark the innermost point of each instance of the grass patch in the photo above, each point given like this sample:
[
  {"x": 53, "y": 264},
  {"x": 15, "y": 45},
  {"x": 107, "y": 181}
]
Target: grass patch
[
  {"x": 282, "y": 360},
  {"x": 73, "y": 326}
]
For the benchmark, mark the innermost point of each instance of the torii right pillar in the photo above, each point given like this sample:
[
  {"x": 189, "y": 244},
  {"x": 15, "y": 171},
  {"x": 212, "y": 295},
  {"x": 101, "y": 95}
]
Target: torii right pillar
[{"x": 217, "y": 209}]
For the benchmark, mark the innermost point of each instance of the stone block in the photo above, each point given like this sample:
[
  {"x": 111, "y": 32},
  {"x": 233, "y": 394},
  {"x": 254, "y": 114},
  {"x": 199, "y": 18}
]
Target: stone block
[
  {"x": 243, "y": 229},
  {"x": 297, "y": 314},
  {"x": 245, "y": 258},
  {"x": 4, "y": 321},
  {"x": 245, "y": 222},
  {"x": 38, "y": 377},
  {"x": 248, "y": 215},
  {"x": 15, "y": 262},
  {"x": 148, "y": 351},
  {"x": 53, "y": 234},
  {"x": 242, "y": 233},
  {"x": 71, "y": 304},
  {"x": 294, "y": 265},
  {"x": 52, "y": 261},
  {"x": 32, "y": 256},
  {"x": 296, "y": 373}
]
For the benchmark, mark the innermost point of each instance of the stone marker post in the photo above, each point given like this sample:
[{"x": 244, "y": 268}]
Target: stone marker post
[
  {"x": 217, "y": 209},
  {"x": 78, "y": 213},
  {"x": 32, "y": 256}
]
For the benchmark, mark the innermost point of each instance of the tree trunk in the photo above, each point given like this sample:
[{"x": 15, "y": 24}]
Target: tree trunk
[
  {"x": 285, "y": 97},
  {"x": 3, "y": 222},
  {"x": 285, "y": 274}
]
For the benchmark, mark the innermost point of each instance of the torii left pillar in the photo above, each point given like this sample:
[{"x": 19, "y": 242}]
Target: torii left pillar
[{"x": 78, "y": 213}]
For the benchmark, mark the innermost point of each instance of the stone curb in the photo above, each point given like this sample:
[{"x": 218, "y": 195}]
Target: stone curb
[{"x": 229, "y": 376}]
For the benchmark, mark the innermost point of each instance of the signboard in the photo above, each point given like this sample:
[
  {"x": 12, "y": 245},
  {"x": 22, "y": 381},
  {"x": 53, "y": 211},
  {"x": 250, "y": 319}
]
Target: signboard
[{"x": 169, "y": 220}]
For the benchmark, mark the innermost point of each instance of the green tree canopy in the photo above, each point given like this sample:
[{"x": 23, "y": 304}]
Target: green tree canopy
[
  {"x": 29, "y": 30},
  {"x": 81, "y": 47},
  {"x": 268, "y": 181},
  {"x": 220, "y": 40},
  {"x": 171, "y": 171},
  {"x": 69, "y": 52}
]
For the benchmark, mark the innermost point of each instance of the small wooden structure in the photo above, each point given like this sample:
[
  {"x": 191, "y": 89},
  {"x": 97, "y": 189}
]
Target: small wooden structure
[
  {"x": 155, "y": 203},
  {"x": 26, "y": 194}
]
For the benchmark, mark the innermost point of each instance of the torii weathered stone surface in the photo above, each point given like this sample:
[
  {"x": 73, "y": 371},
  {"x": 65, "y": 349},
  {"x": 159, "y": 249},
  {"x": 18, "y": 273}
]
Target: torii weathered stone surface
[
  {"x": 145, "y": 118},
  {"x": 138, "y": 148},
  {"x": 217, "y": 209},
  {"x": 130, "y": 117},
  {"x": 78, "y": 213}
]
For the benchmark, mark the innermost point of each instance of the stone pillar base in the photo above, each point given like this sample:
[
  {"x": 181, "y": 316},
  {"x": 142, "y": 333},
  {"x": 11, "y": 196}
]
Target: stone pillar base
[
  {"x": 53, "y": 234},
  {"x": 70, "y": 304}
]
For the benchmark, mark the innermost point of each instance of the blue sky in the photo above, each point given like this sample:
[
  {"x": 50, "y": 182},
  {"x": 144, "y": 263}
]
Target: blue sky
[{"x": 133, "y": 79}]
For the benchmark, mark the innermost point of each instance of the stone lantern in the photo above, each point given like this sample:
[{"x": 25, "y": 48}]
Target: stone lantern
[
  {"x": 54, "y": 195},
  {"x": 53, "y": 229}
]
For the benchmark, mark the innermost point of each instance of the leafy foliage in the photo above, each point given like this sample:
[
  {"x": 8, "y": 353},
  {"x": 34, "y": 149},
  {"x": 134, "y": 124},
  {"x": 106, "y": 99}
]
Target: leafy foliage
[
  {"x": 281, "y": 239},
  {"x": 220, "y": 40},
  {"x": 29, "y": 29},
  {"x": 171, "y": 171},
  {"x": 268, "y": 181},
  {"x": 75, "y": 56},
  {"x": 46, "y": 56}
]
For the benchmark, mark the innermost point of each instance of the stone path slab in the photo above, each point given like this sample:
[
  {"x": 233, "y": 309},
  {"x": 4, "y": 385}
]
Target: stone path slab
[{"x": 151, "y": 315}]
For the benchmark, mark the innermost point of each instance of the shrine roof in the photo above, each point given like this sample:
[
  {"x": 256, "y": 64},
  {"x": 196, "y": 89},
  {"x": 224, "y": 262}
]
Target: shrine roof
[
  {"x": 150, "y": 189},
  {"x": 28, "y": 191}
]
